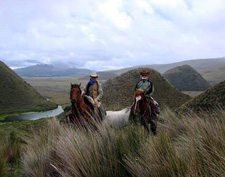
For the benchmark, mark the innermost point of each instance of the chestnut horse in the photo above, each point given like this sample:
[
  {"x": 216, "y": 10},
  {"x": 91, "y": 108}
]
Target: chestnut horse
[
  {"x": 82, "y": 113},
  {"x": 143, "y": 110}
]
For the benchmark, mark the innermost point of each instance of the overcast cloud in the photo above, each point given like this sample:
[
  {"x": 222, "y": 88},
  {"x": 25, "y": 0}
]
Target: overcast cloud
[{"x": 110, "y": 34}]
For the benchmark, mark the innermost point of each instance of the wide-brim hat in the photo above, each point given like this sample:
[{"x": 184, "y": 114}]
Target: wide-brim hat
[
  {"x": 144, "y": 72},
  {"x": 94, "y": 74}
]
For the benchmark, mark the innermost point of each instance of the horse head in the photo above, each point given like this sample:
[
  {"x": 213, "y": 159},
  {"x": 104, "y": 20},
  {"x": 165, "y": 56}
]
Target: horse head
[
  {"x": 75, "y": 92},
  {"x": 139, "y": 98}
]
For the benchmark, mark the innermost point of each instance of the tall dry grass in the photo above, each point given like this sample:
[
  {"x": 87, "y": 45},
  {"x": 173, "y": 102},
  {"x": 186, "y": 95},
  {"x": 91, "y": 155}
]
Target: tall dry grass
[
  {"x": 184, "y": 146},
  {"x": 67, "y": 151},
  {"x": 3, "y": 161},
  {"x": 10, "y": 152}
]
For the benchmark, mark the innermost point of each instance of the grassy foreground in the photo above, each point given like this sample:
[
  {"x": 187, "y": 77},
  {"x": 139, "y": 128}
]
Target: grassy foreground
[{"x": 184, "y": 146}]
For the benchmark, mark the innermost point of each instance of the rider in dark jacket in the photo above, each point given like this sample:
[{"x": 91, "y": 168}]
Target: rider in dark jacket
[{"x": 147, "y": 85}]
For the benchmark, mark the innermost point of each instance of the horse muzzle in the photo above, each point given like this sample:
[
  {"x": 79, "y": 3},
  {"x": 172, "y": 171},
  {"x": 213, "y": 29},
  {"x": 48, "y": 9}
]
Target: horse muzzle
[
  {"x": 74, "y": 101},
  {"x": 136, "y": 112}
]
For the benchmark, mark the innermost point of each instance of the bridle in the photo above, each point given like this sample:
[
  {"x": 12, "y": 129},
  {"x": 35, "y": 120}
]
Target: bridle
[{"x": 74, "y": 101}]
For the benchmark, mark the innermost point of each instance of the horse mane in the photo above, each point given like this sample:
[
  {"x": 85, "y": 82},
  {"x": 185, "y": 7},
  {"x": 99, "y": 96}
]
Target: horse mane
[
  {"x": 139, "y": 92},
  {"x": 76, "y": 86}
]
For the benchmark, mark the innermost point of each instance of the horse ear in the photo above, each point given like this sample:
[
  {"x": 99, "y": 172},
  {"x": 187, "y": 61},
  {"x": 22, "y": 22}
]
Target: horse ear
[{"x": 79, "y": 84}]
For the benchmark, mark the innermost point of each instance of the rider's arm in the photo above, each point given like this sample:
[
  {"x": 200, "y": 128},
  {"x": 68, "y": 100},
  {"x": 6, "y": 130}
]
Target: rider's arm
[
  {"x": 100, "y": 91},
  {"x": 150, "y": 90},
  {"x": 136, "y": 86},
  {"x": 84, "y": 92}
]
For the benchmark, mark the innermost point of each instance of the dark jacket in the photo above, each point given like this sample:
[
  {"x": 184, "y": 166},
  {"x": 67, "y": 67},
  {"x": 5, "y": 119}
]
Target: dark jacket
[{"x": 146, "y": 85}]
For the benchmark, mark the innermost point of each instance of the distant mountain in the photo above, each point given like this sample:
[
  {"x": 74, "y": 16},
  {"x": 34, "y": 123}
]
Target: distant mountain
[
  {"x": 207, "y": 101},
  {"x": 198, "y": 64},
  {"x": 214, "y": 76},
  {"x": 118, "y": 92},
  {"x": 105, "y": 75},
  {"x": 43, "y": 70},
  {"x": 202, "y": 66},
  {"x": 185, "y": 78},
  {"x": 18, "y": 96}
]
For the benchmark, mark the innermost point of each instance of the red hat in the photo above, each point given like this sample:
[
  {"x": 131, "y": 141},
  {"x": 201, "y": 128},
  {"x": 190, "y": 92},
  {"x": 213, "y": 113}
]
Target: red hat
[{"x": 144, "y": 72}]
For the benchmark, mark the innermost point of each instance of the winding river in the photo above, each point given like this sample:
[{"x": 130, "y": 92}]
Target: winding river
[{"x": 35, "y": 115}]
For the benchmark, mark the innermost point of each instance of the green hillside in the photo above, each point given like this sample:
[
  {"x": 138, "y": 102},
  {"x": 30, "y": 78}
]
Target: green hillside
[
  {"x": 186, "y": 78},
  {"x": 118, "y": 92},
  {"x": 214, "y": 76},
  {"x": 18, "y": 96},
  {"x": 208, "y": 100}
]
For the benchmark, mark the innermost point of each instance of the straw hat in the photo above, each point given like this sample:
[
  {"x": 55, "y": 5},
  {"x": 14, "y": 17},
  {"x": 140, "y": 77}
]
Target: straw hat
[{"x": 94, "y": 74}]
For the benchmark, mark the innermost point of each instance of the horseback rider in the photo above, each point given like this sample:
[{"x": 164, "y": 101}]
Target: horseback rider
[
  {"x": 148, "y": 86},
  {"x": 94, "y": 89}
]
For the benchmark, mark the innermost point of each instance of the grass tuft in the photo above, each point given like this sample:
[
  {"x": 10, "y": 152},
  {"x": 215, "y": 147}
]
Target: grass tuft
[{"x": 187, "y": 145}]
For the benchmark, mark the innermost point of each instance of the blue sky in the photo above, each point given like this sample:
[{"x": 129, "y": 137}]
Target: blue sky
[{"x": 110, "y": 34}]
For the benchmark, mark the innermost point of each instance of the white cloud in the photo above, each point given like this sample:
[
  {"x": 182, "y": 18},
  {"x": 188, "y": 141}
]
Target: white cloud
[
  {"x": 46, "y": 60},
  {"x": 113, "y": 11},
  {"x": 145, "y": 6},
  {"x": 107, "y": 34},
  {"x": 105, "y": 65}
]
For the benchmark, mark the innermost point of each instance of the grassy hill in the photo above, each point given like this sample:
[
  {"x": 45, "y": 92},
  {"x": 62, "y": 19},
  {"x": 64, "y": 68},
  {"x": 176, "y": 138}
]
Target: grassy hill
[
  {"x": 214, "y": 76},
  {"x": 186, "y": 78},
  {"x": 118, "y": 92},
  {"x": 208, "y": 100},
  {"x": 18, "y": 96}
]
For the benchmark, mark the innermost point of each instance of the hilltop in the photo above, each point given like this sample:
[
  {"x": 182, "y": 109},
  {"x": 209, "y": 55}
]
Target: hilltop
[
  {"x": 44, "y": 70},
  {"x": 118, "y": 92},
  {"x": 186, "y": 78},
  {"x": 17, "y": 95},
  {"x": 207, "y": 101}
]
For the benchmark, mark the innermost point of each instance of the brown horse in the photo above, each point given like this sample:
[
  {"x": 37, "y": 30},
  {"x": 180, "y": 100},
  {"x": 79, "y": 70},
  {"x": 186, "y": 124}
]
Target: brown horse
[
  {"x": 82, "y": 113},
  {"x": 143, "y": 110}
]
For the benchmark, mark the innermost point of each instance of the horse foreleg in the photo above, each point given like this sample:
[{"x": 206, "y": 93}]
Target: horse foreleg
[
  {"x": 144, "y": 122},
  {"x": 153, "y": 126},
  {"x": 68, "y": 119},
  {"x": 146, "y": 126}
]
